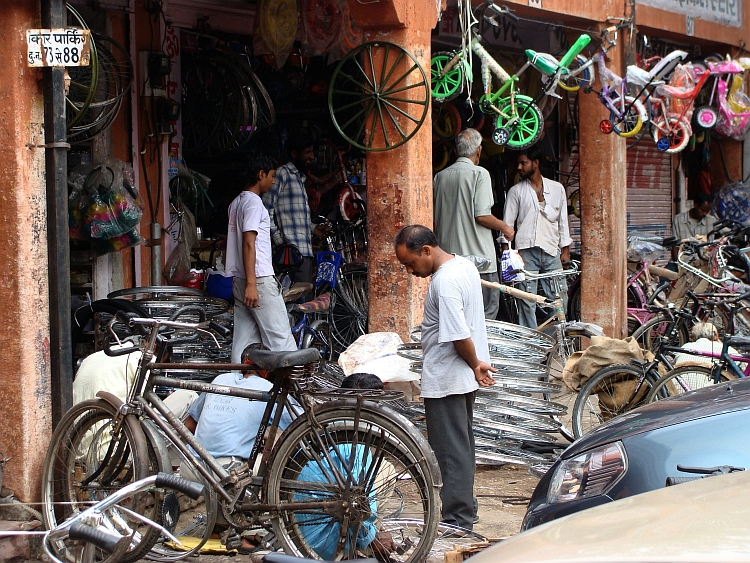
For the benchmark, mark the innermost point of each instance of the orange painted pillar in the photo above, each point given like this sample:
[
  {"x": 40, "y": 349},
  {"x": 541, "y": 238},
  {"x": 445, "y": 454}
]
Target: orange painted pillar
[
  {"x": 25, "y": 406},
  {"x": 603, "y": 214},
  {"x": 399, "y": 181}
]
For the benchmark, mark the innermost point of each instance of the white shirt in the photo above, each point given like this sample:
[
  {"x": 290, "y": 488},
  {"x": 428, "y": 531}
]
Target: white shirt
[
  {"x": 522, "y": 207},
  {"x": 453, "y": 310},
  {"x": 247, "y": 213}
]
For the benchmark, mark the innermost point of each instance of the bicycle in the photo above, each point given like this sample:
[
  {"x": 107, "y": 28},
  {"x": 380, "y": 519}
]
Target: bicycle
[
  {"x": 93, "y": 529},
  {"x": 517, "y": 129},
  {"x": 320, "y": 488}
]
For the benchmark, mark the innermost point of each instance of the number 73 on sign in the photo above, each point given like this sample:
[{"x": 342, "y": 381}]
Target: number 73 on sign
[{"x": 58, "y": 47}]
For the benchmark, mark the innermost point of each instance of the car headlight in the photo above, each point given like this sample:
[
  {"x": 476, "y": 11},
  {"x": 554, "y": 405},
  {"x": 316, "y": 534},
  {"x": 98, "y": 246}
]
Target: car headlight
[{"x": 588, "y": 475}]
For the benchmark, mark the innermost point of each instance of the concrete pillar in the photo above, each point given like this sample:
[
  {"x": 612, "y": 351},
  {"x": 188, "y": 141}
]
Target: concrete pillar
[
  {"x": 399, "y": 181},
  {"x": 25, "y": 406},
  {"x": 603, "y": 215}
]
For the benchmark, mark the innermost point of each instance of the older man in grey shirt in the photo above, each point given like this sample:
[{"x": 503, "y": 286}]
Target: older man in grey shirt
[
  {"x": 462, "y": 199},
  {"x": 455, "y": 363}
]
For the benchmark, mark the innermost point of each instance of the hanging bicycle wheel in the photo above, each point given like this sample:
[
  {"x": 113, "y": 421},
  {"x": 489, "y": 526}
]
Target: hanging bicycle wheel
[
  {"x": 578, "y": 77},
  {"x": 447, "y": 123},
  {"x": 349, "y": 305},
  {"x": 203, "y": 103},
  {"x": 378, "y": 98},
  {"x": 527, "y": 129},
  {"x": 629, "y": 122},
  {"x": 446, "y": 85},
  {"x": 671, "y": 135},
  {"x": 83, "y": 79}
]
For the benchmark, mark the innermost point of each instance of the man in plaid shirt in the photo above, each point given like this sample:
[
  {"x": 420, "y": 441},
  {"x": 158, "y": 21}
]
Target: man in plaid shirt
[{"x": 287, "y": 204}]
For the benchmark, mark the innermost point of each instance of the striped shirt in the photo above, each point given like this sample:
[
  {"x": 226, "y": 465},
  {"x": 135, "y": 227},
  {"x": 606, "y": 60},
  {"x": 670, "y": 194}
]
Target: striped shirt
[{"x": 287, "y": 206}]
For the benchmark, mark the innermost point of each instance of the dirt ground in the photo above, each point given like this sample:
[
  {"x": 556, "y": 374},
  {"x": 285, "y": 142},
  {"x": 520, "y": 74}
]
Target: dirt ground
[{"x": 502, "y": 492}]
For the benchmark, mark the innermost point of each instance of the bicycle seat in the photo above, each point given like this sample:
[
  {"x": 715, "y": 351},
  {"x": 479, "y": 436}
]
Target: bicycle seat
[
  {"x": 317, "y": 305},
  {"x": 543, "y": 62},
  {"x": 637, "y": 75},
  {"x": 667, "y": 64},
  {"x": 269, "y": 360},
  {"x": 299, "y": 289},
  {"x": 725, "y": 67}
]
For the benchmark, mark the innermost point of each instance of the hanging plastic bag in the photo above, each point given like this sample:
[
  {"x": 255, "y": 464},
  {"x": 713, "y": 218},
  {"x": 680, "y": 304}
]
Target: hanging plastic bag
[
  {"x": 509, "y": 262},
  {"x": 321, "y": 25},
  {"x": 276, "y": 24},
  {"x": 177, "y": 268},
  {"x": 644, "y": 246}
]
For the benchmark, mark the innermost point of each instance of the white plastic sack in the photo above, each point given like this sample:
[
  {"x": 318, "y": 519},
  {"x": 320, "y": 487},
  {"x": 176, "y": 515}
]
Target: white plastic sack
[
  {"x": 509, "y": 261},
  {"x": 391, "y": 368},
  {"x": 366, "y": 348}
]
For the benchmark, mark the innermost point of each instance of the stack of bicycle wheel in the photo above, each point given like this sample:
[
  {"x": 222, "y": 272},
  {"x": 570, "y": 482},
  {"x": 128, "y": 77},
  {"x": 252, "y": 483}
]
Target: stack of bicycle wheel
[{"x": 514, "y": 419}]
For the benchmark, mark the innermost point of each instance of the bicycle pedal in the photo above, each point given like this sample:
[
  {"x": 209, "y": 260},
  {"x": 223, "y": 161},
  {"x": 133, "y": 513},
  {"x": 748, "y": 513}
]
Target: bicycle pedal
[{"x": 233, "y": 541}]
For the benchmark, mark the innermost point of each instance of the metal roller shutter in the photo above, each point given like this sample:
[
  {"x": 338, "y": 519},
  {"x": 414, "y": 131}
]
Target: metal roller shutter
[{"x": 649, "y": 184}]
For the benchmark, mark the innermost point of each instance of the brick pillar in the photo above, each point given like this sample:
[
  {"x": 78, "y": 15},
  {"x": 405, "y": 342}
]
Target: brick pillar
[
  {"x": 399, "y": 181},
  {"x": 25, "y": 407},
  {"x": 603, "y": 215}
]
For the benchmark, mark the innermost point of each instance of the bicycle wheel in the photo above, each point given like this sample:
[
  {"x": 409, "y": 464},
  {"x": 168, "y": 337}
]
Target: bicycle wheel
[
  {"x": 629, "y": 123},
  {"x": 578, "y": 77},
  {"x": 378, "y": 110},
  {"x": 650, "y": 333},
  {"x": 673, "y": 134},
  {"x": 527, "y": 130},
  {"x": 683, "y": 379},
  {"x": 610, "y": 392},
  {"x": 87, "y": 460},
  {"x": 349, "y": 306},
  {"x": 319, "y": 338},
  {"x": 373, "y": 469},
  {"x": 450, "y": 84},
  {"x": 447, "y": 124}
]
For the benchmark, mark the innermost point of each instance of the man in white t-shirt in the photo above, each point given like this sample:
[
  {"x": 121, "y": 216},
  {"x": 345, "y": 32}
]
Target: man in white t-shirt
[
  {"x": 455, "y": 362},
  {"x": 259, "y": 311}
]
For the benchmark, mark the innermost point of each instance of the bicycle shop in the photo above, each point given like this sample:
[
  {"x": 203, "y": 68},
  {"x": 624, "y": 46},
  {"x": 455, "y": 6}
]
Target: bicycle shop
[{"x": 179, "y": 90}]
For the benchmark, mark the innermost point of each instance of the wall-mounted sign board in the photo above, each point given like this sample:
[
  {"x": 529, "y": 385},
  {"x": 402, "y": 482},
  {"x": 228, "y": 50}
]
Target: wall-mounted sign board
[{"x": 58, "y": 47}]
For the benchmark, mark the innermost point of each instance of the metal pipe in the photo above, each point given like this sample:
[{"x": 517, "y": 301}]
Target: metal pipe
[
  {"x": 155, "y": 254},
  {"x": 53, "y": 14}
]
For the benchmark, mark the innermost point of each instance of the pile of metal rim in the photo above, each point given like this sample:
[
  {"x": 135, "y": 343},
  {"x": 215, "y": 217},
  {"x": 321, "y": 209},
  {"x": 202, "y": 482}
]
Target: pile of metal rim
[{"x": 514, "y": 419}]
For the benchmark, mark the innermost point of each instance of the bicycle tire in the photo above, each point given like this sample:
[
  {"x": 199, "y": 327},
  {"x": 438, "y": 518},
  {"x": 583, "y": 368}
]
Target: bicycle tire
[
  {"x": 678, "y": 139},
  {"x": 317, "y": 454},
  {"x": 449, "y": 85},
  {"x": 650, "y": 332},
  {"x": 629, "y": 123},
  {"x": 574, "y": 82},
  {"x": 611, "y": 386},
  {"x": 349, "y": 309},
  {"x": 530, "y": 123},
  {"x": 75, "y": 455},
  {"x": 683, "y": 379},
  {"x": 320, "y": 338}
]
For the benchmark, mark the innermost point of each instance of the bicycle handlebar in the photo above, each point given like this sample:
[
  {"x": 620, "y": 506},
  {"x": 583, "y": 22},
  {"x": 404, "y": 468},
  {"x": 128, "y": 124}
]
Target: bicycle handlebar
[{"x": 101, "y": 539}]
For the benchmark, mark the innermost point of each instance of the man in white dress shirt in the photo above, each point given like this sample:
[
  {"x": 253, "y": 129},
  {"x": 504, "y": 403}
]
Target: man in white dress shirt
[{"x": 539, "y": 208}]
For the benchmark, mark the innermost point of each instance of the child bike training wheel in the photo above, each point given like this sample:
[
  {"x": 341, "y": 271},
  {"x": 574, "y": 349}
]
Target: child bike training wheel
[
  {"x": 379, "y": 96},
  {"x": 450, "y": 84},
  {"x": 606, "y": 126},
  {"x": 673, "y": 137},
  {"x": 576, "y": 79},
  {"x": 528, "y": 128},
  {"x": 706, "y": 117},
  {"x": 500, "y": 136},
  {"x": 629, "y": 123}
]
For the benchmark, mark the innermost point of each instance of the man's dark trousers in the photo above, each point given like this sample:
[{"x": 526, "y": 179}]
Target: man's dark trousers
[{"x": 450, "y": 433}]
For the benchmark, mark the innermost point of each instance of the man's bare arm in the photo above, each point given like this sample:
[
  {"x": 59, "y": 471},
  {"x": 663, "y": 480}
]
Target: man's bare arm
[{"x": 492, "y": 222}]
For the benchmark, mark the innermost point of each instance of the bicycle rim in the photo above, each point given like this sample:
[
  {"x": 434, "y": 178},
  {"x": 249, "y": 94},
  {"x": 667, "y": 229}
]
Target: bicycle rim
[
  {"x": 683, "y": 379},
  {"x": 450, "y": 84},
  {"x": 85, "y": 462},
  {"x": 367, "y": 459},
  {"x": 628, "y": 123}
]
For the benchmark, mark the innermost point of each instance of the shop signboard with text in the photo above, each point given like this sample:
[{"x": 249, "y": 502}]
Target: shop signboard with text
[{"x": 726, "y": 12}]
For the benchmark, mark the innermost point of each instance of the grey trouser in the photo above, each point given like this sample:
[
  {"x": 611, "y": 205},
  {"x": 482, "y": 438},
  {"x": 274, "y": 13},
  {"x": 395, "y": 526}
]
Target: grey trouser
[
  {"x": 268, "y": 324},
  {"x": 450, "y": 433},
  {"x": 537, "y": 261},
  {"x": 491, "y": 297}
]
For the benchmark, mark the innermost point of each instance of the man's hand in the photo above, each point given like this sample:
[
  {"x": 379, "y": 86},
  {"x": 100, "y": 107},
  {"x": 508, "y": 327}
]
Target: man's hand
[
  {"x": 383, "y": 545},
  {"x": 482, "y": 374},
  {"x": 251, "y": 298},
  {"x": 508, "y": 232},
  {"x": 565, "y": 255}
]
